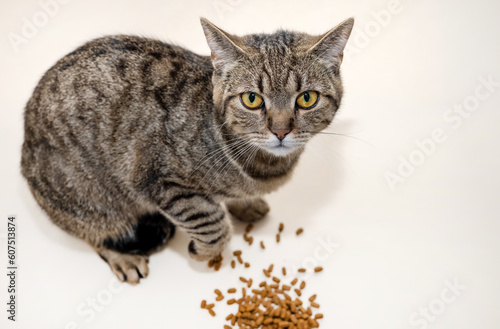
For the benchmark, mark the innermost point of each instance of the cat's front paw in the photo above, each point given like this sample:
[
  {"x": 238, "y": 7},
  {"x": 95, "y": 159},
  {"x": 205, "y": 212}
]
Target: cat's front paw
[
  {"x": 248, "y": 211},
  {"x": 202, "y": 252}
]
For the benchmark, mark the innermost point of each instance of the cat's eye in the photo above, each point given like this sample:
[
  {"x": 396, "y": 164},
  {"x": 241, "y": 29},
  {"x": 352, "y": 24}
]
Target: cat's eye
[
  {"x": 251, "y": 100},
  {"x": 307, "y": 100}
]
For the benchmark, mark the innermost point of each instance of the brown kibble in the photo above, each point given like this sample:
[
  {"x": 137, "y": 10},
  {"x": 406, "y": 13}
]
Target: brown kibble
[
  {"x": 227, "y": 327},
  {"x": 286, "y": 288},
  {"x": 262, "y": 245},
  {"x": 302, "y": 270},
  {"x": 303, "y": 285},
  {"x": 219, "y": 298},
  {"x": 250, "y": 282},
  {"x": 231, "y": 301},
  {"x": 283, "y": 270},
  {"x": 249, "y": 228},
  {"x": 231, "y": 291},
  {"x": 247, "y": 265},
  {"x": 278, "y": 238},
  {"x": 275, "y": 279},
  {"x": 281, "y": 227},
  {"x": 233, "y": 264},
  {"x": 218, "y": 292},
  {"x": 203, "y": 304},
  {"x": 319, "y": 316},
  {"x": 240, "y": 260},
  {"x": 212, "y": 313},
  {"x": 312, "y": 298},
  {"x": 318, "y": 269},
  {"x": 313, "y": 304},
  {"x": 299, "y": 231},
  {"x": 237, "y": 253},
  {"x": 270, "y": 269},
  {"x": 266, "y": 273},
  {"x": 242, "y": 279},
  {"x": 298, "y": 292},
  {"x": 294, "y": 281}
]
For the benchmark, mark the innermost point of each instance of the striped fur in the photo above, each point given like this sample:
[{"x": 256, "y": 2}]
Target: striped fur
[{"x": 127, "y": 138}]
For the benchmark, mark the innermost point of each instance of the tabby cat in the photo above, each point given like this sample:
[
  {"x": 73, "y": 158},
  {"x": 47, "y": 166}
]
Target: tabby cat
[{"x": 129, "y": 138}]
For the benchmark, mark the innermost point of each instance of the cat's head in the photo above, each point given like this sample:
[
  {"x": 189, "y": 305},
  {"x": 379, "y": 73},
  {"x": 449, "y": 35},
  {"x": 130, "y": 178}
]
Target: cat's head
[{"x": 277, "y": 90}]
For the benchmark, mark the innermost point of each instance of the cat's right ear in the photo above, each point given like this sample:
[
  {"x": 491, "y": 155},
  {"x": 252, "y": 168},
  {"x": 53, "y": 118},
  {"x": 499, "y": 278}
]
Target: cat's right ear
[{"x": 224, "y": 46}]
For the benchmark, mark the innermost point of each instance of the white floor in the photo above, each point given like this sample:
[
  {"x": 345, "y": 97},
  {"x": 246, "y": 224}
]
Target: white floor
[{"x": 408, "y": 239}]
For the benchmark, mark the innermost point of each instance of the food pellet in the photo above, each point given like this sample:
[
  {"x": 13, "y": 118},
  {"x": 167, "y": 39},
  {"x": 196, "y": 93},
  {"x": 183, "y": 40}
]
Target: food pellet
[
  {"x": 299, "y": 231},
  {"x": 281, "y": 227},
  {"x": 233, "y": 264},
  {"x": 231, "y": 291},
  {"x": 203, "y": 303},
  {"x": 294, "y": 281},
  {"x": 262, "y": 245},
  {"x": 212, "y": 313},
  {"x": 313, "y": 304},
  {"x": 318, "y": 269},
  {"x": 319, "y": 316},
  {"x": 298, "y": 292},
  {"x": 278, "y": 238},
  {"x": 312, "y": 298},
  {"x": 219, "y": 298},
  {"x": 237, "y": 253},
  {"x": 303, "y": 285},
  {"x": 227, "y": 327},
  {"x": 247, "y": 265},
  {"x": 283, "y": 270},
  {"x": 249, "y": 228},
  {"x": 242, "y": 279},
  {"x": 302, "y": 270}
]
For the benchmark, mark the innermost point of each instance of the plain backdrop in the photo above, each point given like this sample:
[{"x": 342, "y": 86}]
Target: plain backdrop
[{"x": 401, "y": 209}]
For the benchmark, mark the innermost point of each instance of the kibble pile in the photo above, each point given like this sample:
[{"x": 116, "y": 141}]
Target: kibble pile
[{"x": 271, "y": 304}]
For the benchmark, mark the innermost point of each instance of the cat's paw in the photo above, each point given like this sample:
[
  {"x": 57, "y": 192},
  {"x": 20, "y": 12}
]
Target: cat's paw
[
  {"x": 248, "y": 211},
  {"x": 202, "y": 252},
  {"x": 127, "y": 268}
]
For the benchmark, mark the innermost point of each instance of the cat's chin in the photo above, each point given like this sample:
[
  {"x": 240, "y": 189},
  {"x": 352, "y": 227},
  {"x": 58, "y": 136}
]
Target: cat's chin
[{"x": 280, "y": 150}]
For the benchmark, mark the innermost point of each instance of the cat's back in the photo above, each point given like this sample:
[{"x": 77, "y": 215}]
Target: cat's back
[{"x": 110, "y": 98}]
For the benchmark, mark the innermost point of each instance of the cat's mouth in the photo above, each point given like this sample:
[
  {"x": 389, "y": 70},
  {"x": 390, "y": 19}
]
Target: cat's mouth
[{"x": 280, "y": 147}]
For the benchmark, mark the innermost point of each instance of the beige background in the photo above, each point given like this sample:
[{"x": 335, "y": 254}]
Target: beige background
[{"x": 409, "y": 65}]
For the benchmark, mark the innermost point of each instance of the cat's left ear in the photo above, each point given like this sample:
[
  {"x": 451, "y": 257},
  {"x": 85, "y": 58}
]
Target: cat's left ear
[
  {"x": 330, "y": 46},
  {"x": 224, "y": 46}
]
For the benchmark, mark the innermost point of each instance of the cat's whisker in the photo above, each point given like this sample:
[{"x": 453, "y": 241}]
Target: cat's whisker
[
  {"x": 231, "y": 143},
  {"x": 338, "y": 134},
  {"x": 226, "y": 164},
  {"x": 330, "y": 148}
]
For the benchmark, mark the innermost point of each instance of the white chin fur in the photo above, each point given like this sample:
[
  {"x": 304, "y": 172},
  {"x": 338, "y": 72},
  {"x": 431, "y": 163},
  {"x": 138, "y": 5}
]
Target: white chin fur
[{"x": 273, "y": 146}]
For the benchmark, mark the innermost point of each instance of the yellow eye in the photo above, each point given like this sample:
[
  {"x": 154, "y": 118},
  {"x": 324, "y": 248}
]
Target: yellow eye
[
  {"x": 307, "y": 99},
  {"x": 251, "y": 100}
]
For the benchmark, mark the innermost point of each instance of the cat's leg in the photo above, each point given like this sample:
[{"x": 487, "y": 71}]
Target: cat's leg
[
  {"x": 203, "y": 219},
  {"x": 127, "y": 255},
  {"x": 248, "y": 210}
]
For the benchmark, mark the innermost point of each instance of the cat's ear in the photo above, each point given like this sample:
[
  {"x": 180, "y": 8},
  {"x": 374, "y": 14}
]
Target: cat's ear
[
  {"x": 224, "y": 46},
  {"x": 330, "y": 46}
]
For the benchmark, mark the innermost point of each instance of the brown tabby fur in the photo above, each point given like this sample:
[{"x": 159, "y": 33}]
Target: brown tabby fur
[{"x": 127, "y": 138}]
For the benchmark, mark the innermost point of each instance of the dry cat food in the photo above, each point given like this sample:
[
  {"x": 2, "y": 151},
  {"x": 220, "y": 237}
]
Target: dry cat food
[{"x": 272, "y": 304}]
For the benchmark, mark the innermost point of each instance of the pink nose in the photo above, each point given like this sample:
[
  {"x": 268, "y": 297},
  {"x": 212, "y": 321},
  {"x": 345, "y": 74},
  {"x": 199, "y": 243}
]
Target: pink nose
[{"x": 281, "y": 133}]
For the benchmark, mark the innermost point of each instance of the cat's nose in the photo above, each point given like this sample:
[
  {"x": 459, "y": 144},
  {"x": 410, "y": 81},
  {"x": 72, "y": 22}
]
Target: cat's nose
[{"x": 281, "y": 133}]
